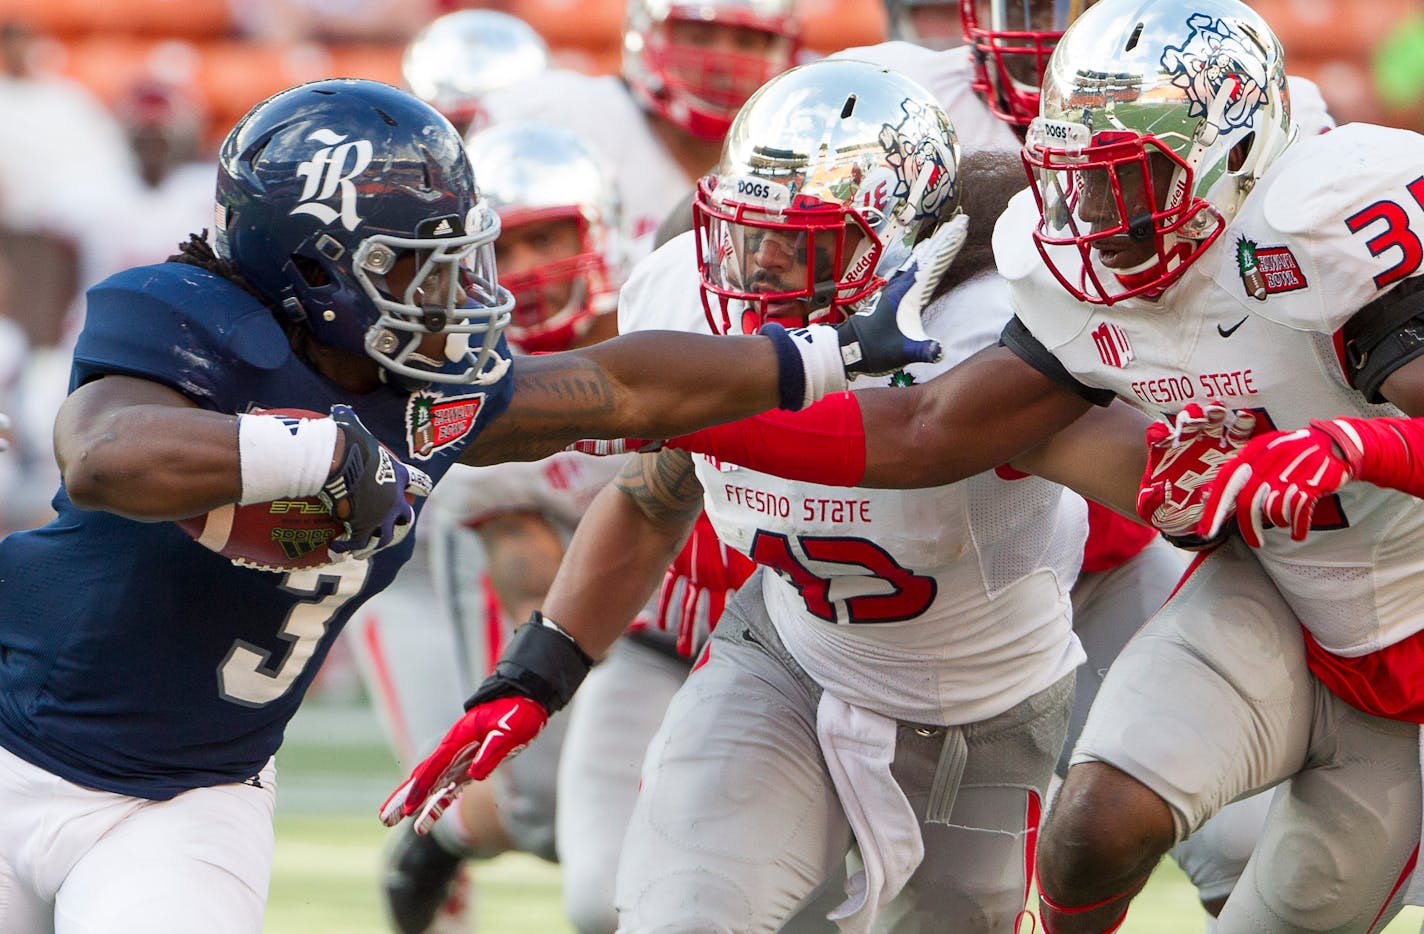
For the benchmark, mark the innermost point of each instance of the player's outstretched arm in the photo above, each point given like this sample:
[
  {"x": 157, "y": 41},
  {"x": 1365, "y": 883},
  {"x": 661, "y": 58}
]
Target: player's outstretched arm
[
  {"x": 625, "y": 540},
  {"x": 657, "y": 384},
  {"x": 984, "y": 412},
  {"x": 1101, "y": 456}
]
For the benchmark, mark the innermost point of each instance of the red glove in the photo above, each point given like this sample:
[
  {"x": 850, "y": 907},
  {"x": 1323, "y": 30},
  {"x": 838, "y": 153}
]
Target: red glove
[
  {"x": 1182, "y": 459},
  {"x": 536, "y": 676},
  {"x": 484, "y": 737},
  {"x": 1280, "y": 477}
]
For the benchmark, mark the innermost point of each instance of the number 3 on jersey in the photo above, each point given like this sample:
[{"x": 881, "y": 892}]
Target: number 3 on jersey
[
  {"x": 908, "y": 595},
  {"x": 252, "y": 676}
]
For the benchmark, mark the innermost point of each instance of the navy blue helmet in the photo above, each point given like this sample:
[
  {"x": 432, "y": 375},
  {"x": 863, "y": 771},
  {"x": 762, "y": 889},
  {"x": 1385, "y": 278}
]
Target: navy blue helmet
[{"x": 352, "y": 207}]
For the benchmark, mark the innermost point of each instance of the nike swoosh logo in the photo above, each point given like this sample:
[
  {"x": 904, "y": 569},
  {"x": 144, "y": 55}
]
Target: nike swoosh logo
[{"x": 1227, "y": 332}]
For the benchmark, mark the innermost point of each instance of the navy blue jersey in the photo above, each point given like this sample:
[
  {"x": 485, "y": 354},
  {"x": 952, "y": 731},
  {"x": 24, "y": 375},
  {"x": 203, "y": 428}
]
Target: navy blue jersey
[{"x": 133, "y": 659}]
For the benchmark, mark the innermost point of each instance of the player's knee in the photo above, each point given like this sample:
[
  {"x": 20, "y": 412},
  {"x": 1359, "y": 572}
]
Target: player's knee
[{"x": 1104, "y": 834}]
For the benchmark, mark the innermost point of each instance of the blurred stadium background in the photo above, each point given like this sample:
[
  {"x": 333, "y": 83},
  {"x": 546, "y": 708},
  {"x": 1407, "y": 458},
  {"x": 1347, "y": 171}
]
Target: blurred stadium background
[{"x": 225, "y": 55}]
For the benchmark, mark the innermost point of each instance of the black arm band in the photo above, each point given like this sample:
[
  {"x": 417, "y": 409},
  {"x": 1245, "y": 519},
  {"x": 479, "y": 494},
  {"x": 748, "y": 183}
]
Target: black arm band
[
  {"x": 1383, "y": 336},
  {"x": 1021, "y": 341},
  {"x": 541, "y": 662}
]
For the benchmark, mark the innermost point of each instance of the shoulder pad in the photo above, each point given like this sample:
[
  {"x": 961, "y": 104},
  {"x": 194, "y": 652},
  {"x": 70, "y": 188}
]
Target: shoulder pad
[
  {"x": 177, "y": 324},
  {"x": 1347, "y": 200},
  {"x": 1327, "y": 177},
  {"x": 662, "y": 292}
]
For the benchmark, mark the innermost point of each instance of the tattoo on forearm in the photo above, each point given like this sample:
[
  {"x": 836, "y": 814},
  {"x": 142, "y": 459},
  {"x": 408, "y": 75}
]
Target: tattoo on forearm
[{"x": 663, "y": 485}]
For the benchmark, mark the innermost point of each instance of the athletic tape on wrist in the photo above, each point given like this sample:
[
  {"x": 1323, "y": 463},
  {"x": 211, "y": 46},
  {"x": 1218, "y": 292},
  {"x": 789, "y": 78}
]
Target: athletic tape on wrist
[
  {"x": 808, "y": 362},
  {"x": 281, "y": 456}
]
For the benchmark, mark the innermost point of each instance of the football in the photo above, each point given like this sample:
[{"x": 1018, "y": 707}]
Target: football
[{"x": 281, "y": 535}]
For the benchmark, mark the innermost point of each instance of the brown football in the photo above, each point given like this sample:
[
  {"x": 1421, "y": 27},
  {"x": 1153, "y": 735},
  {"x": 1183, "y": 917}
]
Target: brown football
[{"x": 281, "y": 535}]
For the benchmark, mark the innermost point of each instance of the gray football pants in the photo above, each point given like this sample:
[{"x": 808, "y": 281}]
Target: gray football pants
[
  {"x": 1213, "y": 700},
  {"x": 738, "y": 821}
]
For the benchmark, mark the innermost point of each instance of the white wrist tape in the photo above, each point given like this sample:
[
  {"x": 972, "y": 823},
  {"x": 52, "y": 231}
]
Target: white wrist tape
[
  {"x": 282, "y": 456},
  {"x": 820, "y": 349}
]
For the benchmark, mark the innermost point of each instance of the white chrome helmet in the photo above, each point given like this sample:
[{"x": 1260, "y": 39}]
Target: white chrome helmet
[
  {"x": 460, "y": 57},
  {"x": 830, "y": 175},
  {"x": 531, "y": 171},
  {"x": 700, "y": 89},
  {"x": 1157, "y": 119}
]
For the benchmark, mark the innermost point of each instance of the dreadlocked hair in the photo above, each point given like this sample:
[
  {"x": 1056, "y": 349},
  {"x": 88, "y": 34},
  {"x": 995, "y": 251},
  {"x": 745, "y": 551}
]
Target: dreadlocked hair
[{"x": 197, "y": 251}]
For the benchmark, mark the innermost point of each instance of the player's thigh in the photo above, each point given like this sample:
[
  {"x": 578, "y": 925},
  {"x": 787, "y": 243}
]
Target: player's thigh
[
  {"x": 22, "y": 911},
  {"x": 737, "y": 821},
  {"x": 1109, "y": 607},
  {"x": 617, "y": 711},
  {"x": 1340, "y": 834},
  {"x": 200, "y": 862},
  {"x": 974, "y": 874},
  {"x": 1212, "y": 699}
]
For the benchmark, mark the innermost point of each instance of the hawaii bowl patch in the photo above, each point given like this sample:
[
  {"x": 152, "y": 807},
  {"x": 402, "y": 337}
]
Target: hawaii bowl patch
[
  {"x": 434, "y": 421},
  {"x": 1268, "y": 270}
]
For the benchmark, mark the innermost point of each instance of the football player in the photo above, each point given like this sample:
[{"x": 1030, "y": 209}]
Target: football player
[
  {"x": 460, "y": 57},
  {"x": 1183, "y": 242},
  {"x": 990, "y": 86},
  {"x": 899, "y": 673},
  {"x": 687, "y": 68},
  {"x": 147, "y": 679},
  {"x": 497, "y": 533}
]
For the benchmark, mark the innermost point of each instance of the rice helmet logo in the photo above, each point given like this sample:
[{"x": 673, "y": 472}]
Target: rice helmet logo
[
  {"x": 917, "y": 155},
  {"x": 329, "y": 173},
  {"x": 1214, "y": 57}
]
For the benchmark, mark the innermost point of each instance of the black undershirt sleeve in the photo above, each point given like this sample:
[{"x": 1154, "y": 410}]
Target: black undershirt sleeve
[
  {"x": 1017, "y": 338},
  {"x": 1383, "y": 336}
]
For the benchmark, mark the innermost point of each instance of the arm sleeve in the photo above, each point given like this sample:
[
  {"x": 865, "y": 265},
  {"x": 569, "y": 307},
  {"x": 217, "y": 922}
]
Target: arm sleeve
[
  {"x": 824, "y": 443},
  {"x": 1021, "y": 341}
]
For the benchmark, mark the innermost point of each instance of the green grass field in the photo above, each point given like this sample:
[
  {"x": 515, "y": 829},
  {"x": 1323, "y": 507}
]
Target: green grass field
[{"x": 332, "y": 776}]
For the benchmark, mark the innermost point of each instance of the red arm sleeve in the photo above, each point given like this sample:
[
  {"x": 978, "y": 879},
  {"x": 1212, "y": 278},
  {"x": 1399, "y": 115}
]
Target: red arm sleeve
[{"x": 823, "y": 443}]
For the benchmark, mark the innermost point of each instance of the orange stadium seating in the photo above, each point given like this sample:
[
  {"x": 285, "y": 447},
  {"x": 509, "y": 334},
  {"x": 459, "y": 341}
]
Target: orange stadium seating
[
  {"x": 186, "y": 19},
  {"x": 109, "y": 41},
  {"x": 1330, "y": 42}
]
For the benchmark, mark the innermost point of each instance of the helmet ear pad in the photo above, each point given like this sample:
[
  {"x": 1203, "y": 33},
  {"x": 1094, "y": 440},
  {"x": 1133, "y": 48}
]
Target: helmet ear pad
[{"x": 321, "y": 294}]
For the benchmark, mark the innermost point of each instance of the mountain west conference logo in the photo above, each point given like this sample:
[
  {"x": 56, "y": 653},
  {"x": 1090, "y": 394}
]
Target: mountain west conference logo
[
  {"x": 1216, "y": 57},
  {"x": 328, "y": 175}
]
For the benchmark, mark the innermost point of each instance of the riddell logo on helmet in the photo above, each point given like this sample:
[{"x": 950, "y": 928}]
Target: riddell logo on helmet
[{"x": 329, "y": 175}]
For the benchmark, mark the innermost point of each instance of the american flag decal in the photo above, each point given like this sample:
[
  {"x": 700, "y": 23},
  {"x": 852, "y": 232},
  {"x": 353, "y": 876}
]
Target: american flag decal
[{"x": 1113, "y": 347}]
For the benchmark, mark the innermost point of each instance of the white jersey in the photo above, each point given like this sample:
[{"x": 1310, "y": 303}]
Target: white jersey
[
  {"x": 1253, "y": 322},
  {"x": 957, "y": 596},
  {"x": 604, "y": 112}
]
